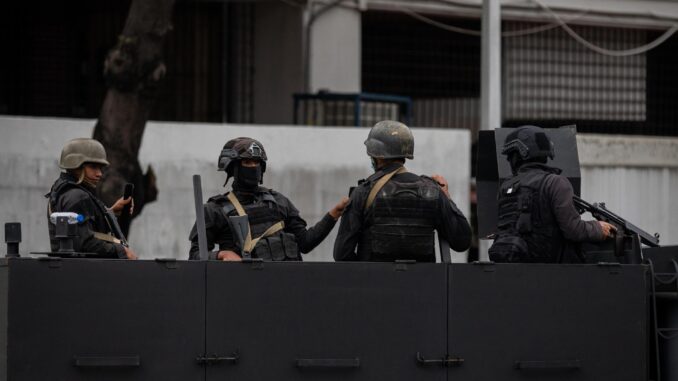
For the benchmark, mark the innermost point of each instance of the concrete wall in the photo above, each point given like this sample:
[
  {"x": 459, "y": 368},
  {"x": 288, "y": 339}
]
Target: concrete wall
[
  {"x": 637, "y": 178},
  {"x": 313, "y": 166}
]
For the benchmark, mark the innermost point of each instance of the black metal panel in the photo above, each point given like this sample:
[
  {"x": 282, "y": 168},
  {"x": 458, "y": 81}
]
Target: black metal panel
[
  {"x": 664, "y": 262},
  {"x": 105, "y": 320},
  {"x": 4, "y": 293},
  {"x": 493, "y": 168},
  {"x": 665, "y": 270},
  {"x": 667, "y": 336},
  {"x": 516, "y": 322},
  {"x": 325, "y": 321}
]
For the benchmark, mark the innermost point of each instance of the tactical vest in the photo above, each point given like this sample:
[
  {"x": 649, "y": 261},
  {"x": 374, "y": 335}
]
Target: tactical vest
[
  {"x": 99, "y": 221},
  {"x": 526, "y": 228},
  {"x": 262, "y": 214},
  {"x": 400, "y": 223}
]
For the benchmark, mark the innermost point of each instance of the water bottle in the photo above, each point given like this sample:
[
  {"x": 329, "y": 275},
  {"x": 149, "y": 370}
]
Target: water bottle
[{"x": 73, "y": 218}]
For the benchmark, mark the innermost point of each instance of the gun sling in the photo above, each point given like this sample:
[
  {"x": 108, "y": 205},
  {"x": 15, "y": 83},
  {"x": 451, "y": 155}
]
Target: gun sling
[
  {"x": 106, "y": 237},
  {"x": 380, "y": 184},
  {"x": 249, "y": 242}
]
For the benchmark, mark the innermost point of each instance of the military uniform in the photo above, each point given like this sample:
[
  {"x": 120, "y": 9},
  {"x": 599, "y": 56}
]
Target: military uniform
[
  {"x": 264, "y": 208},
  {"x": 393, "y": 213},
  {"x": 277, "y": 232},
  {"x": 95, "y": 234},
  {"x": 68, "y": 194},
  {"x": 401, "y": 221},
  {"x": 537, "y": 219}
]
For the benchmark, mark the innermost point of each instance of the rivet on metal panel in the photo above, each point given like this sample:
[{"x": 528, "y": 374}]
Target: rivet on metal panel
[
  {"x": 401, "y": 264},
  {"x": 52, "y": 262},
  {"x": 170, "y": 263},
  {"x": 613, "y": 267},
  {"x": 488, "y": 266},
  {"x": 256, "y": 263}
]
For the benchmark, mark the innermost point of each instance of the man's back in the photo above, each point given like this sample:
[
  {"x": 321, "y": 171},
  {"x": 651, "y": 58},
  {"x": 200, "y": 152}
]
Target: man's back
[
  {"x": 399, "y": 222},
  {"x": 537, "y": 219}
]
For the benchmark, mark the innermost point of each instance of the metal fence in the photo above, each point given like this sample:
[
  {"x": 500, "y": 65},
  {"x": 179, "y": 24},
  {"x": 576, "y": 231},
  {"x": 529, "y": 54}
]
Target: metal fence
[
  {"x": 549, "y": 79},
  {"x": 359, "y": 109}
]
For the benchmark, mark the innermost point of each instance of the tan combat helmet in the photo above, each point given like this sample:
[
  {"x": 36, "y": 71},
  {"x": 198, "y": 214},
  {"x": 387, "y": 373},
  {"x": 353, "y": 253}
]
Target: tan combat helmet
[
  {"x": 80, "y": 151},
  {"x": 389, "y": 139}
]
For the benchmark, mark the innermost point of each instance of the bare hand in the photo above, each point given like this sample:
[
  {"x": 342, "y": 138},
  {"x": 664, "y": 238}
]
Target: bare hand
[
  {"x": 117, "y": 207},
  {"x": 130, "y": 254},
  {"x": 228, "y": 256},
  {"x": 338, "y": 209},
  {"x": 609, "y": 230},
  {"x": 443, "y": 184}
]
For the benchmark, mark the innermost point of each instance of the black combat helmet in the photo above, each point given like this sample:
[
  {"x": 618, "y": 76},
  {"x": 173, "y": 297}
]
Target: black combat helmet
[
  {"x": 530, "y": 142},
  {"x": 238, "y": 149},
  {"x": 389, "y": 139}
]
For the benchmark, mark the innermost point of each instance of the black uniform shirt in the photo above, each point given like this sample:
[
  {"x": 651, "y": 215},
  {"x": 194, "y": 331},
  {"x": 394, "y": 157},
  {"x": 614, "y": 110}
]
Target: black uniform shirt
[
  {"x": 76, "y": 198},
  {"x": 449, "y": 221},
  {"x": 559, "y": 195},
  {"x": 219, "y": 232}
]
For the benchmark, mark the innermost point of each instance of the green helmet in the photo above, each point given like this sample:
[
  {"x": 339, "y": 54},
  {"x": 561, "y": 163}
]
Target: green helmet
[
  {"x": 389, "y": 139},
  {"x": 80, "y": 151}
]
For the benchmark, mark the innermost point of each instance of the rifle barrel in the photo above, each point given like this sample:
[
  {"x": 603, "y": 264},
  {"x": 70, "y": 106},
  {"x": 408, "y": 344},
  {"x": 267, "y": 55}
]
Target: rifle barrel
[{"x": 600, "y": 212}]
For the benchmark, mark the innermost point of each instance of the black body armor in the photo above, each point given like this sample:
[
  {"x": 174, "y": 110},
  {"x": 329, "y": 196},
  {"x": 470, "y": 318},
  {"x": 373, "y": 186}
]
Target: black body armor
[
  {"x": 262, "y": 214},
  {"x": 526, "y": 228},
  {"x": 401, "y": 222}
]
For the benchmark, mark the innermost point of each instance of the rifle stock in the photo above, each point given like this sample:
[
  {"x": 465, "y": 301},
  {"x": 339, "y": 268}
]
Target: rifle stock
[{"x": 240, "y": 226}]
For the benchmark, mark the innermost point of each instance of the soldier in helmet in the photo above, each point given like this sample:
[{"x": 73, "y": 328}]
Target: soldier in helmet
[
  {"x": 277, "y": 232},
  {"x": 74, "y": 191},
  {"x": 393, "y": 213},
  {"x": 537, "y": 216}
]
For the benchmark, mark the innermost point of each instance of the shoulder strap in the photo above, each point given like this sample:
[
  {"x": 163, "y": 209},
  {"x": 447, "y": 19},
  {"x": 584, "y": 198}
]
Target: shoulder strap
[
  {"x": 249, "y": 242},
  {"x": 280, "y": 225},
  {"x": 234, "y": 200},
  {"x": 380, "y": 184},
  {"x": 241, "y": 212}
]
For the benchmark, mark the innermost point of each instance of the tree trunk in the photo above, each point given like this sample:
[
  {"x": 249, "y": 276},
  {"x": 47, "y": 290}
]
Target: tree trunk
[{"x": 133, "y": 69}]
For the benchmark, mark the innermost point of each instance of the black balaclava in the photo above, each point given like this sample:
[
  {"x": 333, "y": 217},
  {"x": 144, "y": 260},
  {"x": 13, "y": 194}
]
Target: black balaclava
[{"x": 246, "y": 178}]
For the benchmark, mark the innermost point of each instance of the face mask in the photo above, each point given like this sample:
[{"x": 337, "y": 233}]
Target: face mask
[{"x": 247, "y": 178}]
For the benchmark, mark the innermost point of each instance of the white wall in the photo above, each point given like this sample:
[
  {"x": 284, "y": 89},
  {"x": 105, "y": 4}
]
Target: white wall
[
  {"x": 313, "y": 166},
  {"x": 636, "y": 177}
]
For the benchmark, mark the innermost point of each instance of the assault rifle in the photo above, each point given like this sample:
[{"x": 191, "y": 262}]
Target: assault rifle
[{"x": 600, "y": 212}]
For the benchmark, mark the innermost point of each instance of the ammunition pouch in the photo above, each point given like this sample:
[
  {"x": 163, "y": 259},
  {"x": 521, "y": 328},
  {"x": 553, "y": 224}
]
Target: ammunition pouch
[
  {"x": 279, "y": 247},
  {"x": 507, "y": 249},
  {"x": 404, "y": 242}
]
